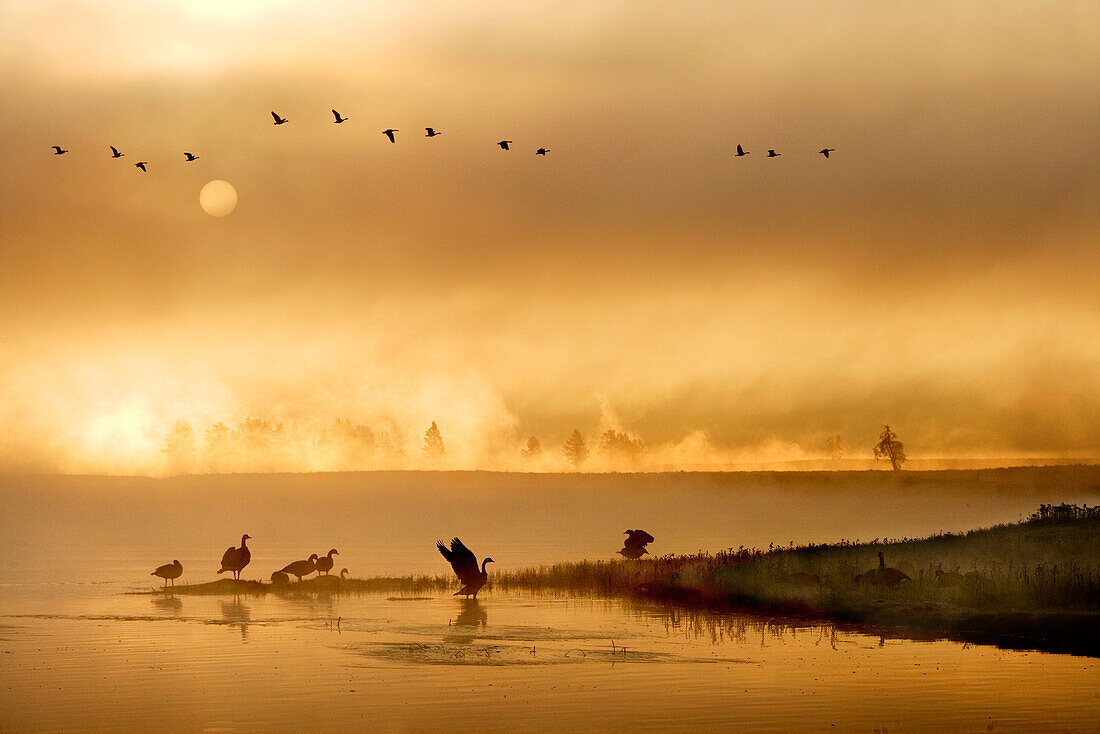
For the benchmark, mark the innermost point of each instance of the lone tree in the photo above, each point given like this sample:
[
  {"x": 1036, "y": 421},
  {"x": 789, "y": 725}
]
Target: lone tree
[
  {"x": 575, "y": 451},
  {"x": 433, "y": 442},
  {"x": 533, "y": 450},
  {"x": 889, "y": 447}
]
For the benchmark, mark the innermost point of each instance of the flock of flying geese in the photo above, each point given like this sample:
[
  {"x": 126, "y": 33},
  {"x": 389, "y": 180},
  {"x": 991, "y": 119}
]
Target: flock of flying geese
[
  {"x": 462, "y": 560},
  {"x": 391, "y": 134}
]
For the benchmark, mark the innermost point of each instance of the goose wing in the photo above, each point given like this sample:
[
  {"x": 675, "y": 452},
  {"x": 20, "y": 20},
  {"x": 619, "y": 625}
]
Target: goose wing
[
  {"x": 462, "y": 560},
  {"x": 229, "y": 556},
  {"x": 274, "y": 116}
]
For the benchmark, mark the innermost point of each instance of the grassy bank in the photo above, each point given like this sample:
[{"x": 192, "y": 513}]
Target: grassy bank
[{"x": 1035, "y": 584}]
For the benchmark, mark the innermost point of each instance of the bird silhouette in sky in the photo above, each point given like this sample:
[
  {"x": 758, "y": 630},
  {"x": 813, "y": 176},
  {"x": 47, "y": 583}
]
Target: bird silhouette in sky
[
  {"x": 141, "y": 165},
  {"x": 740, "y": 151},
  {"x": 338, "y": 119},
  {"x": 431, "y": 132},
  {"x": 58, "y": 150},
  {"x": 504, "y": 144},
  {"x": 542, "y": 151},
  {"x": 191, "y": 157},
  {"x": 773, "y": 154},
  {"x": 826, "y": 151},
  {"x": 389, "y": 134},
  {"x": 115, "y": 153},
  {"x": 278, "y": 120}
]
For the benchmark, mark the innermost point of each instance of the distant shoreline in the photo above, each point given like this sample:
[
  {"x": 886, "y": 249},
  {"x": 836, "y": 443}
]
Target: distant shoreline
[{"x": 859, "y": 467}]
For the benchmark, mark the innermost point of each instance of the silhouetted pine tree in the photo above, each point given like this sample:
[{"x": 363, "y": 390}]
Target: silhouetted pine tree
[
  {"x": 533, "y": 449},
  {"x": 433, "y": 443},
  {"x": 575, "y": 450}
]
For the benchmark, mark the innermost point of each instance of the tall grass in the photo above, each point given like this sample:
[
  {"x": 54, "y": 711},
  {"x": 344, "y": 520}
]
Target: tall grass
[{"x": 1050, "y": 562}]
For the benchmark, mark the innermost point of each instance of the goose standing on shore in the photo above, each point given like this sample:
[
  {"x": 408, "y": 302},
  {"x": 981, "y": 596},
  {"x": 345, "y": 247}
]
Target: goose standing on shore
[
  {"x": 235, "y": 559},
  {"x": 464, "y": 563},
  {"x": 301, "y": 568},
  {"x": 882, "y": 576},
  {"x": 325, "y": 563},
  {"x": 168, "y": 571}
]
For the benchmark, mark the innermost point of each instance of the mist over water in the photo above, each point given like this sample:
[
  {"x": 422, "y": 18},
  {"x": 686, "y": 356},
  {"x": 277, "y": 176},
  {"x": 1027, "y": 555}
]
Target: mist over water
[{"x": 387, "y": 522}]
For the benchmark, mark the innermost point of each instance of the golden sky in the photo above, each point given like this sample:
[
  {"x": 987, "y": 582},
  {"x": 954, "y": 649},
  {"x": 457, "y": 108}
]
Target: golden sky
[{"x": 940, "y": 272}]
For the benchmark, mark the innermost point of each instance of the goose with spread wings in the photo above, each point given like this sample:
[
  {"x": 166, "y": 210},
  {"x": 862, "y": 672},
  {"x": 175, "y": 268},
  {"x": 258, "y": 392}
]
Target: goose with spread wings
[{"x": 464, "y": 563}]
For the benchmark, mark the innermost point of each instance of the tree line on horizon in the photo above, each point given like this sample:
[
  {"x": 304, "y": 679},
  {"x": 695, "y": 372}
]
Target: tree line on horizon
[{"x": 256, "y": 444}]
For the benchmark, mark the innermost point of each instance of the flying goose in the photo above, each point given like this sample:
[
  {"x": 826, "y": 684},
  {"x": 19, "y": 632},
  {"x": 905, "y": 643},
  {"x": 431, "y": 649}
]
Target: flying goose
[
  {"x": 504, "y": 144},
  {"x": 141, "y": 165},
  {"x": 301, "y": 568},
  {"x": 58, "y": 150},
  {"x": 431, "y": 132},
  {"x": 115, "y": 153},
  {"x": 389, "y": 134},
  {"x": 464, "y": 564},
  {"x": 740, "y": 151},
  {"x": 325, "y": 563},
  {"x": 191, "y": 157},
  {"x": 168, "y": 571},
  {"x": 338, "y": 119},
  {"x": 279, "y": 120},
  {"x": 236, "y": 559},
  {"x": 542, "y": 151},
  {"x": 826, "y": 151},
  {"x": 773, "y": 154}
]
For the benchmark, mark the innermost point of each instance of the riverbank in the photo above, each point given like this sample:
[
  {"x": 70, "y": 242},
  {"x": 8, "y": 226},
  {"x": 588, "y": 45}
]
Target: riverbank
[{"x": 1034, "y": 584}]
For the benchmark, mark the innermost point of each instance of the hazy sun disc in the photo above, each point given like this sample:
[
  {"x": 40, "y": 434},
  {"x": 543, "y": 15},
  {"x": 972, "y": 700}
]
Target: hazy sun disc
[{"x": 218, "y": 198}]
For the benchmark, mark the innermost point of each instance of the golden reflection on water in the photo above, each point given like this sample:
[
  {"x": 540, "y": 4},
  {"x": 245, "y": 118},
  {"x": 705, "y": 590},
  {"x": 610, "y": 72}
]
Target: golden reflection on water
[{"x": 103, "y": 660}]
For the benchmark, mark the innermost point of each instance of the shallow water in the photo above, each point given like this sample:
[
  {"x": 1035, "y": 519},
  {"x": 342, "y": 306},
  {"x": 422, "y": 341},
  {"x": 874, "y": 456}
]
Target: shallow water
[
  {"x": 88, "y": 657},
  {"x": 80, "y": 651}
]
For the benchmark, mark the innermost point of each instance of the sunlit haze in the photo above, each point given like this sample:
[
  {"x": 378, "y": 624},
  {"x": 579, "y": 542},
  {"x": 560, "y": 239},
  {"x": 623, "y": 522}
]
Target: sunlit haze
[{"x": 939, "y": 272}]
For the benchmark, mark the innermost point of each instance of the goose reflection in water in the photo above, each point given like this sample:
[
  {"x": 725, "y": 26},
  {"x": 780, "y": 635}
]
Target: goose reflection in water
[
  {"x": 471, "y": 614},
  {"x": 463, "y": 629},
  {"x": 168, "y": 604},
  {"x": 236, "y": 614}
]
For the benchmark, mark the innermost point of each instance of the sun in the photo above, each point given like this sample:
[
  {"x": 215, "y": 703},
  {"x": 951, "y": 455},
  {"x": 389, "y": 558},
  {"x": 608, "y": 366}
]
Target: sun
[{"x": 218, "y": 198}]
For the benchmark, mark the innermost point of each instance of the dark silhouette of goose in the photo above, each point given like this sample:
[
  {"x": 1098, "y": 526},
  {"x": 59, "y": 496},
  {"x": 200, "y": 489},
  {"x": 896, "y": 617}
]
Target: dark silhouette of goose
[
  {"x": 542, "y": 151},
  {"x": 826, "y": 151},
  {"x": 191, "y": 157},
  {"x": 169, "y": 571},
  {"x": 504, "y": 144},
  {"x": 431, "y": 132},
  {"x": 773, "y": 154},
  {"x": 344, "y": 571},
  {"x": 235, "y": 559},
  {"x": 634, "y": 547},
  {"x": 279, "y": 579},
  {"x": 389, "y": 134},
  {"x": 325, "y": 563},
  {"x": 301, "y": 568},
  {"x": 141, "y": 165},
  {"x": 279, "y": 120},
  {"x": 115, "y": 153},
  {"x": 58, "y": 150},
  {"x": 740, "y": 151},
  {"x": 881, "y": 576},
  {"x": 465, "y": 567},
  {"x": 338, "y": 119}
]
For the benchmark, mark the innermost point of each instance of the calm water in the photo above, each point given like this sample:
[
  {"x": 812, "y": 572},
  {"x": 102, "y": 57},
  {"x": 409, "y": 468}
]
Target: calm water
[{"x": 78, "y": 652}]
